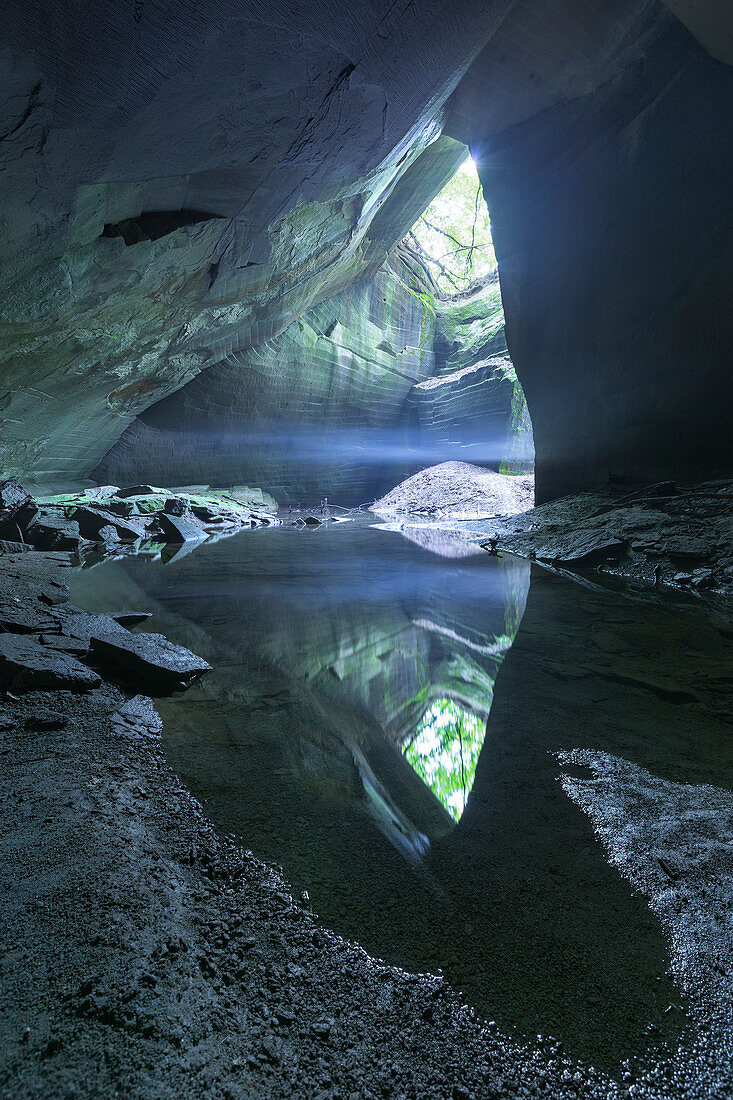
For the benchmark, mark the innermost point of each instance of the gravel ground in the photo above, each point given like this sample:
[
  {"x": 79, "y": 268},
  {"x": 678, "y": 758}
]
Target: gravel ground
[{"x": 461, "y": 491}]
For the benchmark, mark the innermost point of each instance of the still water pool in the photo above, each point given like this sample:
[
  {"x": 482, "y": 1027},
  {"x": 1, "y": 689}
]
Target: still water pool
[{"x": 383, "y": 721}]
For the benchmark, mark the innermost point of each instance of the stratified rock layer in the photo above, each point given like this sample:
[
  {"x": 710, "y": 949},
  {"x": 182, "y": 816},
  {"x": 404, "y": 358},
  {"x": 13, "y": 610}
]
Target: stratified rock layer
[{"x": 182, "y": 184}]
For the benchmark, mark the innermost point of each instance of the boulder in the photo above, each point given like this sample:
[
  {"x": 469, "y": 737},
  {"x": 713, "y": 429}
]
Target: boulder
[
  {"x": 54, "y": 532},
  {"x": 139, "y": 491},
  {"x": 13, "y": 495},
  {"x": 176, "y": 506},
  {"x": 26, "y": 665},
  {"x": 180, "y": 528},
  {"x": 92, "y": 520},
  {"x": 146, "y": 661}
]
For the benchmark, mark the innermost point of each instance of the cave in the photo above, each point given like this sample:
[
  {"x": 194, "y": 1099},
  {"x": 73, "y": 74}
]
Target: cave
[{"x": 366, "y": 549}]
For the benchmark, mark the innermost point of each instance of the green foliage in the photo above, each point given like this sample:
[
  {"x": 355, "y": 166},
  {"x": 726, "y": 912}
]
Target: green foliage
[
  {"x": 520, "y": 459},
  {"x": 445, "y": 751},
  {"x": 452, "y": 239}
]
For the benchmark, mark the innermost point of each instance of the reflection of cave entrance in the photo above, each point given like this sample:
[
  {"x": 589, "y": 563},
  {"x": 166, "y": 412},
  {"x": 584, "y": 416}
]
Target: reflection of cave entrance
[
  {"x": 445, "y": 750},
  {"x": 472, "y": 408}
]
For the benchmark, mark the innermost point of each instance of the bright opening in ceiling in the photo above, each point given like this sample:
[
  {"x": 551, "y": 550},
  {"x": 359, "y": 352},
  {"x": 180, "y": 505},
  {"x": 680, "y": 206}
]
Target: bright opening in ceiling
[{"x": 452, "y": 239}]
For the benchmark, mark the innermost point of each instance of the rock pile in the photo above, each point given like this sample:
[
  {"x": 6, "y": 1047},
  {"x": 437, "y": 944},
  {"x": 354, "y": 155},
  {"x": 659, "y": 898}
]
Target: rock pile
[
  {"x": 47, "y": 644},
  {"x": 459, "y": 490},
  {"x": 107, "y": 518}
]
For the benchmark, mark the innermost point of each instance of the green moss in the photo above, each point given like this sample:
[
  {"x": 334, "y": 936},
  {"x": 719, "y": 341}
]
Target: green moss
[
  {"x": 470, "y": 329},
  {"x": 520, "y": 429}
]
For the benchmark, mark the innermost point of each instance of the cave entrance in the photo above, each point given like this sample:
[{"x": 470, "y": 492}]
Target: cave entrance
[{"x": 469, "y": 419}]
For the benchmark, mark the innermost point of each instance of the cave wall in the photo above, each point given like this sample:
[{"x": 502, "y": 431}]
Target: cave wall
[
  {"x": 613, "y": 227},
  {"x": 314, "y": 412},
  {"x": 181, "y": 184},
  {"x": 285, "y": 130},
  {"x": 361, "y": 391},
  {"x": 473, "y": 408}
]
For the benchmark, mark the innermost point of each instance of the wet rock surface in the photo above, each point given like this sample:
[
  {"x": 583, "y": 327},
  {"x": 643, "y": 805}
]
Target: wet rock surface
[
  {"x": 100, "y": 521},
  {"x": 26, "y": 665},
  {"x": 665, "y": 536},
  {"x": 147, "y": 660}
]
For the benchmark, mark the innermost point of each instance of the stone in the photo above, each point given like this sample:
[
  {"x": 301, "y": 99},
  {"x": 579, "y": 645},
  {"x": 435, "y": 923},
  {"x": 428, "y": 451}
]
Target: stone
[
  {"x": 14, "y": 523},
  {"x": 685, "y": 548},
  {"x": 100, "y": 492},
  {"x": 91, "y": 520},
  {"x": 120, "y": 507},
  {"x": 176, "y": 506},
  {"x": 139, "y": 491},
  {"x": 12, "y": 494},
  {"x": 78, "y": 647},
  {"x": 180, "y": 528},
  {"x": 26, "y": 665},
  {"x": 54, "y": 532},
  {"x": 46, "y": 719},
  {"x": 206, "y": 514},
  {"x": 131, "y": 618},
  {"x": 8, "y": 546},
  {"x": 80, "y": 625},
  {"x": 23, "y": 618},
  {"x": 584, "y": 548},
  {"x": 54, "y": 594},
  {"x": 107, "y": 534},
  {"x": 148, "y": 660},
  {"x": 138, "y": 719}
]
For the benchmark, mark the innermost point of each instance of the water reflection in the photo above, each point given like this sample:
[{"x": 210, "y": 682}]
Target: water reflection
[
  {"x": 330, "y": 649},
  {"x": 444, "y": 752}
]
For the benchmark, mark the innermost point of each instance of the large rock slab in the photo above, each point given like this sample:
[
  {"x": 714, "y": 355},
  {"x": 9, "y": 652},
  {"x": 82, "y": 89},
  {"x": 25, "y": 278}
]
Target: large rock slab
[
  {"x": 92, "y": 520},
  {"x": 146, "y": 661},
  {"x": 54, "y": 532},
  {"x": 583, "y": 549},
  {"x": 180, "y": 528},
  {"x": 26, "y": 665},
  {"x": 23, "y": 618}
]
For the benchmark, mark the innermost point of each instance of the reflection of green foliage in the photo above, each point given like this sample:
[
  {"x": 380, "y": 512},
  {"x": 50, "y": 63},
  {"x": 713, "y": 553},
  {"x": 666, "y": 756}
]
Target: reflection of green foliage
[
  {"x": 444, "y": 752},
  {"x": 453, "y": 237}
]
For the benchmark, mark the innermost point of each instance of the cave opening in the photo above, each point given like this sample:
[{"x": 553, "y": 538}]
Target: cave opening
[{"x": 468, "y": 423}]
